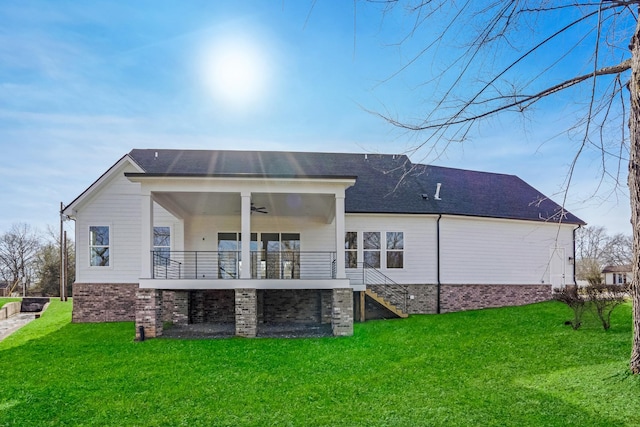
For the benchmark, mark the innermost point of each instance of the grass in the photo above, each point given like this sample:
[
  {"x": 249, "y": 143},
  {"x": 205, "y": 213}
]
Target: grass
[
  {"x": 4, "y": 300},
  {"x": 512, "y": 366}
]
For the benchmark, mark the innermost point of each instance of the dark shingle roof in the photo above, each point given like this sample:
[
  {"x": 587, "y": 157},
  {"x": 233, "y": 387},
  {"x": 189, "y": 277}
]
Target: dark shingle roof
[
  {"x": 617, "y": 269},
  {"x": 384, "y": 183}
]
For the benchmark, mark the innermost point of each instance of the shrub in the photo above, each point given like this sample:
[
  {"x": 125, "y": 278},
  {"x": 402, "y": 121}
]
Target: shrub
[
  {"x": 604, "y": 299},
  {"x": 573, "y": 298}
]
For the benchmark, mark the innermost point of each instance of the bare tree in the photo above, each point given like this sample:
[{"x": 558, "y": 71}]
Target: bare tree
[
  {"x": 48, "y": 268},
  {"x": 595, "y": 249},
  {"x": 18, "y": 252},
  {"x": 618, "y": 250},
  {"x": 489, "y": 58},
  {"x": 590, "y": 246}
]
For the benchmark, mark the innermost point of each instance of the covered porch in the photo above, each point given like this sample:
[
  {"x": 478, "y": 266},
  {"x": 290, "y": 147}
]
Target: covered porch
[{"x": 246, "y": 242}]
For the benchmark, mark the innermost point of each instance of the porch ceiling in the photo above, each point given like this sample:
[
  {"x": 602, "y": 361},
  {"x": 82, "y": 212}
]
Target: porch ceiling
[{"x": 276, "y": 204}]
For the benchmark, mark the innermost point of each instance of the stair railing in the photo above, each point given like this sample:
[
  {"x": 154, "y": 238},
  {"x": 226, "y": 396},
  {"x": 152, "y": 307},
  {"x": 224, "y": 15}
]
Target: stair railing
[{"x": 384, "y": 286}]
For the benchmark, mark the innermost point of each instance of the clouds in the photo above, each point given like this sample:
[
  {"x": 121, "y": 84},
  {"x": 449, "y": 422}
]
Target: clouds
[{"x": 81, "y": 84}]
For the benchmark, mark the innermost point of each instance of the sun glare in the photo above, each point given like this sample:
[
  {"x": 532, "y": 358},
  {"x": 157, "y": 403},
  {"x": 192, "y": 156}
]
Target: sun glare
[{"x": 237, "y": 71}]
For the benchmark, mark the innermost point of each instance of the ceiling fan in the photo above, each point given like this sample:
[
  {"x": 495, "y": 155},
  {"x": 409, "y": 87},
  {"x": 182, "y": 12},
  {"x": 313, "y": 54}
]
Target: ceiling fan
[{"x": 260, "y": 209}]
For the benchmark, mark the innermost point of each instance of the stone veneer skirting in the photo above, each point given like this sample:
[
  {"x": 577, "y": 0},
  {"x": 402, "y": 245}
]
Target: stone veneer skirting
[
  {"x": 422, "y": 299},
  {"x": 116, "y": 302},
  {"x": 104, "y": 302},
  {"x": 212, "y": 306},
  {"x": 306, "y": 306},
  {"x": 473, "y": 297}
]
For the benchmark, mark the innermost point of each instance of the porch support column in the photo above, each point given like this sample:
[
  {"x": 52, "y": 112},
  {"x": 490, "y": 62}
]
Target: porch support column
[
  {"x": 342, "y": 312},
  {"x": 245, "y": 229},
  {"x": 246, "y": 313},
  {"x": 148, "y": 313},
  {"x": 146, "y": 234},
  {"x": 340, "y": 268}
]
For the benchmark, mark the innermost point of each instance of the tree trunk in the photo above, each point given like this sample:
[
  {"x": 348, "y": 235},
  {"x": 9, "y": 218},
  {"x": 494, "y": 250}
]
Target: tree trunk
[{"x": 634, "y": 192}]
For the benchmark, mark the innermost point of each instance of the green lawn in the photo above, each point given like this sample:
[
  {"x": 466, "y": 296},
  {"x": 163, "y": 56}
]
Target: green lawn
[
  {"x": 5, "y": 300},
  {"x": 513, "y": 366}
]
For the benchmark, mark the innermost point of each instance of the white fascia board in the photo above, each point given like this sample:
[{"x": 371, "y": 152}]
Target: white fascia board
[
  {"x": 98, "y": 184},
  {"x": 284, "y": 284},
  {"x": 243, "y": 184}
]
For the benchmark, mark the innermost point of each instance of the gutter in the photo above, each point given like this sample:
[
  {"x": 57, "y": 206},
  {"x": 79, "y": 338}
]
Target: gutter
[{"x": 438, "y": 262}]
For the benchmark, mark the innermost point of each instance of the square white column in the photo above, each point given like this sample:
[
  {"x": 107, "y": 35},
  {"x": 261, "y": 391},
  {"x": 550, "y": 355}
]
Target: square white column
[
  {"x": 245, "y": 229},
  {"x": 146, "y": 234},
  {"x": 340, "y": 267}
]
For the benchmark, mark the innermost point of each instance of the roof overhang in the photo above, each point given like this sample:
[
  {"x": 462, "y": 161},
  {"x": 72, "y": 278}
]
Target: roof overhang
[
  {"x": 125, "y": 160},
  {"x": 280, "y": 196}
]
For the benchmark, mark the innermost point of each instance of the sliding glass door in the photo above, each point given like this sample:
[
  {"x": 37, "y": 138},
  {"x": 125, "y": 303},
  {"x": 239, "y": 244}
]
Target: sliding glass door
[{"x": 273, "y": 255}]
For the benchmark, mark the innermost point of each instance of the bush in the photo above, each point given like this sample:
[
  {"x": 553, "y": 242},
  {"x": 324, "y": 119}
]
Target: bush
[
  {"x": 604, "y": 299},
  {"x": 573, "y": 298}
]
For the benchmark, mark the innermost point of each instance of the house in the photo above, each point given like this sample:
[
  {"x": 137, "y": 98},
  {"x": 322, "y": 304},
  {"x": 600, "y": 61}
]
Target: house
[
  {"x": 254, "y": 238},
  {"x": 4, "y": 289},
  {"x": 617, "y": 274}
]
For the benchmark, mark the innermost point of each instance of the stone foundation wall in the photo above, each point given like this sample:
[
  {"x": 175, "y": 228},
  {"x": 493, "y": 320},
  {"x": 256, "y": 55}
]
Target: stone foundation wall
[
  {"x": 342, "y": 312},
  {"x": 292, "y": 305},
  {"x": 167, "y": 305},
  {"x": 472, "y": 297},
  {"x": 212, "y": 305},
  {"x": 462, "y": 297},
  {"x": 148, "y": 313},
  {"x": 424, "y": 301},
  {"x": 104, "y": 302},
  {"x": 246, "y": 312},
  {"x": 179, "y": 313},
  {"x": 325, "y": 306}
]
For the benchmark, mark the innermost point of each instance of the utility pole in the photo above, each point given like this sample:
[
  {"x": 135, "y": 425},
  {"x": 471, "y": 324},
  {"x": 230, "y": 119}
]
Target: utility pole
[
  {"x": 62, "y": 242},
  {"x": 66, "y": 267}
]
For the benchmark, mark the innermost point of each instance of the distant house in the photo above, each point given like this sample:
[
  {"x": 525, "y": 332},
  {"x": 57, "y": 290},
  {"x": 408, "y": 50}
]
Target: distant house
[
  {"x": 254, "y": 238},
  {"x": 4, "y": 289},
  {"x": 617, "y": 274}
]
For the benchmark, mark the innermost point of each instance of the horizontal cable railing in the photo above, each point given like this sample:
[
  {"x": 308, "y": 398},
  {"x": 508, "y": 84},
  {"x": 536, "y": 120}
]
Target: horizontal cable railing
[
  {"x": 228, "y": 264},
  {"x": 292, "y": 265},
  {"x": 384, "y": 286},
  {"x": 164, "y": 267}
]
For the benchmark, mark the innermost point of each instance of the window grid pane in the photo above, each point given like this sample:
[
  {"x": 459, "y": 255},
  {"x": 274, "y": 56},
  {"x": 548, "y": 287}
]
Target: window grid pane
[
  {"x": 99, "y": 246},
  {"x": 395, "y": 240},
  {"x": 395, "y": 259},
  {"x": 372, "y": 258},
  {"x": 371, "y": 240}
]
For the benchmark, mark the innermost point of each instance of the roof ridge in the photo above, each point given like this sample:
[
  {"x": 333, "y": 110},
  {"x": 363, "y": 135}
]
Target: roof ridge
[{"x": 176, "y": 150}]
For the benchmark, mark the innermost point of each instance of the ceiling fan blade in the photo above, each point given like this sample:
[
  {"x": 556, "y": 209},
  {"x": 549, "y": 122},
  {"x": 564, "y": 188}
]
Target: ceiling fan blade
[{"x": 260, "y": 209}]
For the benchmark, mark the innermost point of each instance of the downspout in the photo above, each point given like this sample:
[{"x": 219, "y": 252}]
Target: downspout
[
  {"x": 575, "y": 281},
  {"x": 438, "y": 262}
]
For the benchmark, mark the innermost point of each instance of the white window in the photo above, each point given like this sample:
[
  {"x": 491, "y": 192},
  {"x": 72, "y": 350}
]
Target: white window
[
  {"x": 351, "y": 249},
  {"x": 395, "y": 249},
  {"x": 162, "y": 241},
  {"x": 99, "y": 246},
  {"x": 371, "y": 248}
]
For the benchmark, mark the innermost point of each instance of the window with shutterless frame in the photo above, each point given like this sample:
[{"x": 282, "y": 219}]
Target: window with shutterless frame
[{"x": 99, "y": 238}]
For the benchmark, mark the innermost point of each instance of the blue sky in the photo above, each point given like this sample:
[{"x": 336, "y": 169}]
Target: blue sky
[{"x": 82, "y": 83}]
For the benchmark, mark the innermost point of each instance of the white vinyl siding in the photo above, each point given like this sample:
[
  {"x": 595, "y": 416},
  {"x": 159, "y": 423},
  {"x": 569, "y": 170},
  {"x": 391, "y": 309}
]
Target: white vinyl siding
[
  {"x": 419, "y": 243},
  {"x": 117, "y": 204},
  {"x": 497, "y": 251}
]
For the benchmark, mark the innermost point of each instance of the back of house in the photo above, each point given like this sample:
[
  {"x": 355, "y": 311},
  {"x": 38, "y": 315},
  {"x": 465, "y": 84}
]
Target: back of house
[{"x": 252, "y": 238}]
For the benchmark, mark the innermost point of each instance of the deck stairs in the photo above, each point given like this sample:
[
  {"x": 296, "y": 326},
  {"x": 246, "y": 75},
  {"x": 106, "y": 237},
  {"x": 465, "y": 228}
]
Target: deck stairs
[
  {"x": 382, "y": 289},
  {"x": 386, "y": 304}
]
